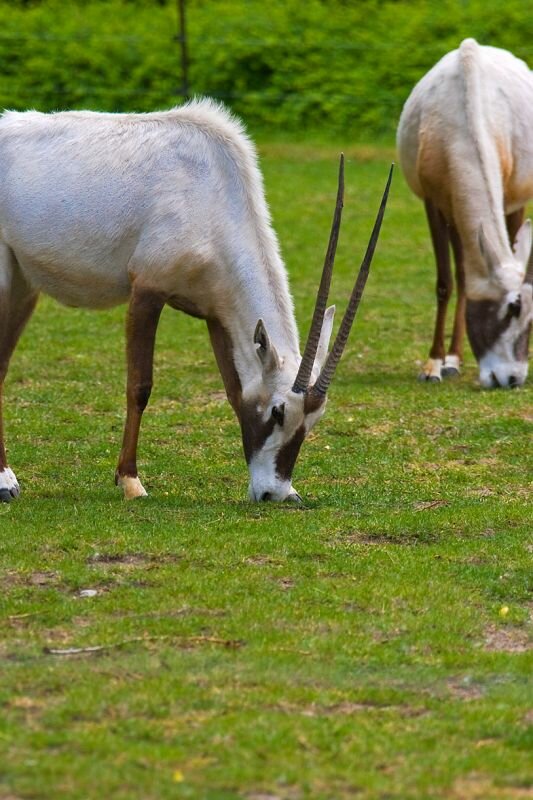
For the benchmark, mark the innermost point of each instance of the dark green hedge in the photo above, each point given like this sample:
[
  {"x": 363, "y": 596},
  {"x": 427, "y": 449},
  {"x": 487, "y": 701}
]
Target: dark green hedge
[{"x": 289, "y": 65}]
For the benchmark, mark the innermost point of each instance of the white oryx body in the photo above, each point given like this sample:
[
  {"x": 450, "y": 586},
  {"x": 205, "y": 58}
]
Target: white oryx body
[
  {"x": 91, "y": 202},
  {"x": 465, "y": 142},
  {"x": 98, "y": 209}
]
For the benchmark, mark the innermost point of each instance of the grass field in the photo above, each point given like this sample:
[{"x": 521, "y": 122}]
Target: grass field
[{"x": 375, "y": 644}]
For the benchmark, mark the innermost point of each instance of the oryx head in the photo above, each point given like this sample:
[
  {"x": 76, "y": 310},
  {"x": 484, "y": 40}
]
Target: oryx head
[
  {"x": 499, "y": 328},
  {"x": 288, "y": 399}
]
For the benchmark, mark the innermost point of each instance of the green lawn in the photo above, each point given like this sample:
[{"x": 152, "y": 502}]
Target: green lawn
[{"x": 376, "y": 644}]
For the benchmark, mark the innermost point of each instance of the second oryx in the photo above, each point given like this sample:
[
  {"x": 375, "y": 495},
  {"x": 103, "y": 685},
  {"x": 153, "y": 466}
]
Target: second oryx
[{"x": 465, "y": 142}]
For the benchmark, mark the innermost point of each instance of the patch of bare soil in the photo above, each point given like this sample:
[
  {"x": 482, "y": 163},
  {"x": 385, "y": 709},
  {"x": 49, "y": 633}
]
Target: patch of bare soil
[
  {"x": 403, "y": 540},
  {"x": 507, "y": 639},
  {"x": 43, "y": 578},
  {"x": 464, "y": 690},
  {"x": 131, "y": 560},
  {"x": 477, "y": 787},
  {"x": 18, "y": 578},
  {"x": 286, "y": 583},
  {"x": 428, "y": 505},
  {"x": 262, "y": 561},
  {"x": 346, "y": 709},
  {"x": 287, "y": 793}
]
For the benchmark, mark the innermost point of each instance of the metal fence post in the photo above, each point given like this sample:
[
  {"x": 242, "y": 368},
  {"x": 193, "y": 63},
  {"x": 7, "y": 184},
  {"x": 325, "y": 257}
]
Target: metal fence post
[{"x": 181, "y": 37}]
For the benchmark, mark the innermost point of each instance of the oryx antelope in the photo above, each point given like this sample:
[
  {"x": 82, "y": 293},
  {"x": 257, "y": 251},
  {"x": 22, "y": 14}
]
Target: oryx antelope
[
  {"x": 465, "y": 142},
  {"x": 167, "y": 208}
]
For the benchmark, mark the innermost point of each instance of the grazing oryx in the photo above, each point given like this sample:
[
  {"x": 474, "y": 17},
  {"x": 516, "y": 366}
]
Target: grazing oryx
[
  {"x": 169, "y": 207},
  {"x": 465, "y": 142}
]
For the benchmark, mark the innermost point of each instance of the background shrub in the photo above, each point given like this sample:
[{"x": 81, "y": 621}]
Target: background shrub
[{"x": 284, "y": 65}]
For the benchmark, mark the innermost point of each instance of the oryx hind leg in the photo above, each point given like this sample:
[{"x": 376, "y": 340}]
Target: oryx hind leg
[
  {"x": 514, "y": 223},
  {"x": 17, "y": 301},
  {"x": 454, "y": 356},
  {"x": 141, "y": 325},
  {"x": 432, "y": 370}
]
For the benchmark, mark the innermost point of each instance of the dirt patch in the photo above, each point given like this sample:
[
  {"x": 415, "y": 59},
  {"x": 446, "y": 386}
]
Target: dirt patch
[
  {"x": 286, "y": 583},
  {"x": 9, "y": 578},
  {"x": 262, "y": 796},
  {"x": 347, "y": 709},
  {"x": 402, "y": 539},
  {"x": 262, "y": 561},
  {"x": 476, "y": 787},
  {"x": 131, "y": 560},
  {"x": 18, "y": 578},
  {"x": 43, "y": 579},
  {"x": 429, "y": 505},
  {"x": 507, "y": 640},
  {"x": 190, "y": 611},
  {"x": 464, "y": 690}
]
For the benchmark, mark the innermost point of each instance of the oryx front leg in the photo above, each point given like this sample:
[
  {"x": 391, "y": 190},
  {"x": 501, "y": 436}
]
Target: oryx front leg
[
  {"x": 454, "y": 357},
  {"x": 17, "y": 302},
  {"x": 432, "y": 370},
  {"x": 141, "y": 326}
]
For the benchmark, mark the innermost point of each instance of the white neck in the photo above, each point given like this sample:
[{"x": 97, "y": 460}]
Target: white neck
[{"x": 263, "y": 294}]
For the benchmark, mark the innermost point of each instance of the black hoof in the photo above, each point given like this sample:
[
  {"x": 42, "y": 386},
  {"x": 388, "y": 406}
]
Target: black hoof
[
  {"x": 423, "y": 378},
  {"x": 450, "y": 372},
  {"x": 5, "y": 496}
]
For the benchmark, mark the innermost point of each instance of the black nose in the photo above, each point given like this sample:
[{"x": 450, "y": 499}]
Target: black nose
[
  {"x": 495, "y": 381},
  {"x": 513, "y": 381},
  {"x": 266, "y": 496}
]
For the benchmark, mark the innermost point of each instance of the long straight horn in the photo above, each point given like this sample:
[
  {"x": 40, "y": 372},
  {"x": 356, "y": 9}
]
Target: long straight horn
[
  {"x": 328, "y": 370},
  {"x": 529, "y": 271},
  {"x": 306, "y": 365}
]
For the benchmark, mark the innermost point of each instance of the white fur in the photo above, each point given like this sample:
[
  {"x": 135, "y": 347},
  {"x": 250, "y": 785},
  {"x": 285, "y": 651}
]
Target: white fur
[
  {"x": 473, "y": 109},
  {"x": 132, "y": 487},
  {"x": 9, "y": 481},
  {"x": 173, "y": 200},
  {"x": 90, "y": 201},
  {"x": 465, "y": 141},
  {"x": 263, "y": 476},
  {"x": 500, "y": 361},
  {"x": 452, "y": 362}
]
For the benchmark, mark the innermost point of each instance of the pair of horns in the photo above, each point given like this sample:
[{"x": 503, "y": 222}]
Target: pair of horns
[{"x": 301, "y": 383}]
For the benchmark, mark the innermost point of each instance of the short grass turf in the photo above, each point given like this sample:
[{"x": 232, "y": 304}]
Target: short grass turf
[{"x": 375, "y": 644}]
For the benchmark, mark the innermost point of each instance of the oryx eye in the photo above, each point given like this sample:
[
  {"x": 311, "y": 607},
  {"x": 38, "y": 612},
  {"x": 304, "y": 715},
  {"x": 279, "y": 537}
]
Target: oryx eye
[
  {"x": 278, "y": 413},
  {"x": 514, "y": 307}
]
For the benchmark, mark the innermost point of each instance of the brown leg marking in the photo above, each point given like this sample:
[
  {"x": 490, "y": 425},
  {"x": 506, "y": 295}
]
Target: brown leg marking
[
  {"x": 514, "y": 222},
  {"x": 141, "y": 325},
  {"x": 440, "y": 238},
  {"x": 223, "y": 350},
  {"x": 16, "y": 305},
  {"x": 458, "y": 334}
]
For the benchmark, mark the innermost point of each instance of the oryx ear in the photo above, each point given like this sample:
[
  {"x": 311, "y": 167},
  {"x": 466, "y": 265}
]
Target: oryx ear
[
  {"x": 325, "y": 336},
  {"x": 522, "y": 243},
  {"x": 266, "y": 351},
  {"x": 487, "y": 250}
]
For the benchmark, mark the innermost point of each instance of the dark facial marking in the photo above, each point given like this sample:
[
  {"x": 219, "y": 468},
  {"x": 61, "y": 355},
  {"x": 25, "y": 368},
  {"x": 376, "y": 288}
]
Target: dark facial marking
[
  {"x": 254, "y": 430},
  {"x": 483, "y": 326},
  {"x": 313, "y": 401},
  {"x": 516, "y": 307},
  {"x": 288, "y": 454},
  {"x": 278, "y": 414},
  {"x": 223, "y": 350},
  {"x": 521, "y": 345}
]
